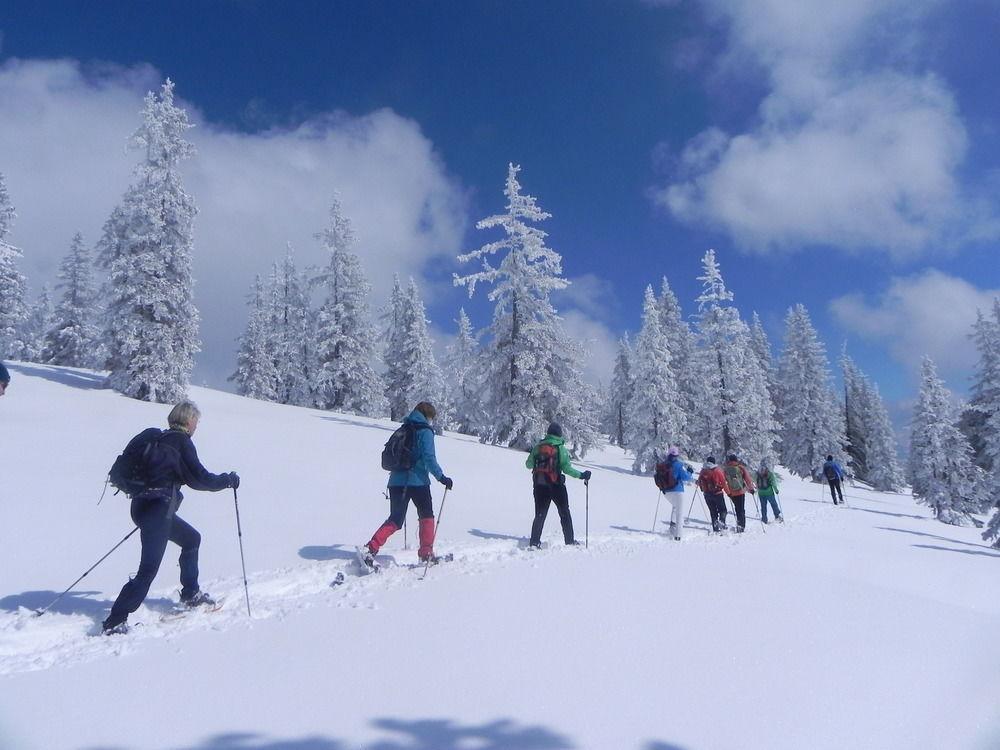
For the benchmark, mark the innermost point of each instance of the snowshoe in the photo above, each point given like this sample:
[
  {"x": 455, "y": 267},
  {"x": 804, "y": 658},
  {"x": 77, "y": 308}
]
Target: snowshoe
[
  {"x": 109, "y": 627},
  {"x": 366, "y": 559},
  {"x": 201, "y": 599}
]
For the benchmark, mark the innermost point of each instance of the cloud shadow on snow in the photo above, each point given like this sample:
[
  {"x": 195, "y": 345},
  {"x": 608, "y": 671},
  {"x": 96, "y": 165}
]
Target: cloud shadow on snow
[{"x": 85, "y": 380}]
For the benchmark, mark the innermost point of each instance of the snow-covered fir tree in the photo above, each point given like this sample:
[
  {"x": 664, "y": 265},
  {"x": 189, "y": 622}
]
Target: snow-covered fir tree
[
  {"x": 761, "y": 346},
  {"x": 13, "y": 308},
  {"x": 40, "y": 319},
  {"x": 871, "y": 441},
  {"x": 811, "y": 423},
  {"x": 854, "y": 427},
  {"x": 73, "y": 339},
  {"x": 396, "y": 330},
  {"x": 346, "y": 337},
  {"x": 531, "y": 368},
  {"x": 978, "y": 420},
  {"x": 152, "y": 325},
  {"x": 293, "y": 334},
  {"x": 735, "y": 413},
  {"x": 257, "y": 374},
  {"x": 461, "y": 366},
  {"x": 654, "y": 412},
  {"x": 941, "y": 468},
  {"x": 683, "y": 353},
  {"x": 620, "y": 394}
]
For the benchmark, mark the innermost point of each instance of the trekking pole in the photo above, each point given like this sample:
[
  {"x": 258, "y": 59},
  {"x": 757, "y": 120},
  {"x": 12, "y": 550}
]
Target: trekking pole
[
  {"x": 40, "y": 612},
  {"x": 586, "y": 533},
  {"x": 760, "y": 515},
  {"x": 656, "y": 515},
  {"x": 691, "y": 506},
  {"x": 437, "y": 524},
  {"x": 239, "y": 531},
  {"x": 708, "y": 515}
]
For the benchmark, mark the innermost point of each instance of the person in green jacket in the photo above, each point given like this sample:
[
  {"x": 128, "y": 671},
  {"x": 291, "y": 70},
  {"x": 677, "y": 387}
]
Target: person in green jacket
[
  {"x": 549, "y": 463},
  {"x": 767, "y": 490}
]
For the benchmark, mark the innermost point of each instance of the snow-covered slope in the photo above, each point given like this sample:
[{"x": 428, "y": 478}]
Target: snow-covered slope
[{"x": 870, "y": 626}]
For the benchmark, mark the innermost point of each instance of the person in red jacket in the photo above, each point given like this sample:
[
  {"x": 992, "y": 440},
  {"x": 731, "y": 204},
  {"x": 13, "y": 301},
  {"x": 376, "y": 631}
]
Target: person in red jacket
[
  {"x": 738, "y": 483},
  {"x": 712, "y": 483}
]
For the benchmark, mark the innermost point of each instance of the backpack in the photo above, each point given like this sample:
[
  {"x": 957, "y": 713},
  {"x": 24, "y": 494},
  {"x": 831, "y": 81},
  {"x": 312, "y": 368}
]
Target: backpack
[
  {"x": 398, "y": 453},
  {"x": 829, "y": 471},
  {"x": 546, "y": 470},
  {"x": 130, "y": 471},
  {"x": 708, "y": 483},
  {"x": 664, "y": 475},
  {"x": 763, "y": 479},
  {"x": 734, "y": 479}
]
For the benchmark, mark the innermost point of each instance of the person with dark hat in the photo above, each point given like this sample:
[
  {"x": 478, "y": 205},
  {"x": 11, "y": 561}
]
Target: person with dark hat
[
  {"x": 834, "y": 474},
  {"x": 738, "y": 483},
  {"x": 712, "y": 483},
  {"x": 549, "y": 463}
]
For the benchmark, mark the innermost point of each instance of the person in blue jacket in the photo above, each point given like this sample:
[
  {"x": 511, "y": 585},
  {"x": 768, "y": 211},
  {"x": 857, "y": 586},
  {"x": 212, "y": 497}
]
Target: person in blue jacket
[
  {"x": 4, "y": 379},
  {"x": 154, "y": 511},
  {"x": 414, "y": 485},
  {"x": 682, "y": 473},
  {"x": 834, "y": 474}
]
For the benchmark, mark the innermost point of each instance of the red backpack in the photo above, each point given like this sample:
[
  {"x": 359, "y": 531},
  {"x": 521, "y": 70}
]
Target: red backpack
[
  {"x": 546, "y": 469},
  {"x": 664, "y": 475}
]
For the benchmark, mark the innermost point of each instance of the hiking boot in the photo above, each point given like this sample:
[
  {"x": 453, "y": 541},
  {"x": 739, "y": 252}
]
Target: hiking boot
[
  {"x": 201, "y": 599},
  {"x": 574, "y": 543},
  {"x": 780, "y": 519},
  {"x": 430, "y": 559},
  {"x": 114, "y": 625}
]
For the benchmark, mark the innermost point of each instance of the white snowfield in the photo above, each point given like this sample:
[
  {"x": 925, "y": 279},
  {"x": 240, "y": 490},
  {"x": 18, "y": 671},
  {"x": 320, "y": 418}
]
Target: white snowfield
[{"x": 867, "y": 626}]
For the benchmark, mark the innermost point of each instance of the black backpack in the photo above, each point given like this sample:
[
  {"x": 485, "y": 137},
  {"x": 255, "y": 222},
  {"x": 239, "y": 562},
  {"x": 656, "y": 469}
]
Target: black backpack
[
  {"x": 664, "y": 475},
  {"x": 829, "y": 471},
  {"x": 398, "y": 453},
  {"x": 130, "y": 471}
]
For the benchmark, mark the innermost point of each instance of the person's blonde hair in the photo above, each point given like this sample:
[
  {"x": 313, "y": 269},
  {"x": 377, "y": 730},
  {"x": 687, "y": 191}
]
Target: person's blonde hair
[{"x": 182, "y": 415}]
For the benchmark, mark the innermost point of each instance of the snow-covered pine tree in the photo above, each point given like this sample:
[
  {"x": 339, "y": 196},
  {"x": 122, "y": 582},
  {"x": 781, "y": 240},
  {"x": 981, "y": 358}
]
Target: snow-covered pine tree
[
  {"x": 761, "y": 346},
  {"x": 152, "y": 324},
  {"x": 531, "y": 369},
  {"x": 73, "y": 339},
  {"x": 461, "y": 365},
  {"x": 397, "y": 329},
  {"x": 346, "y": 337},
  {"x": 884, "y": 470},
  {"x": 854, "y": 410},
  {"x": 683, "y": 353},
  {"x": 256, "y": 373},
  {"x": 40, "y": 319},
  {"x": 812, "y": 426},
  {"x": 735, "y": 414},
  {"x": 620, "y": 394},
  {"x": 293, "y": 334},
  {"x": 941, "y": 468},
  {"x": 978, "y": 422},
  {"x": 13, "y": 309},
  {"x": 654, "y": 415}
]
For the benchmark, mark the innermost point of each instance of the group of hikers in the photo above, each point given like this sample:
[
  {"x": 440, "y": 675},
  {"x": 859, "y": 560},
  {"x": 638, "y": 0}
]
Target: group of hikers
[{"x": 157, "y": 463}]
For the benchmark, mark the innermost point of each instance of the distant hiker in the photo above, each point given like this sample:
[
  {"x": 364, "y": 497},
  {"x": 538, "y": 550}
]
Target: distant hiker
[
  {"x": 767, "y": 491},
  {"x": 169, "y": 462},
  {"x": 412, "y": 484},
  {"x": 834, "y": 473},
  {"x": 549, "y": 462},
  {"x": 4, "y": 379},
  {"x": 712, "y": 483},
  {"x": 670, "y": 475},
  {"x": 738, "y": 483}
]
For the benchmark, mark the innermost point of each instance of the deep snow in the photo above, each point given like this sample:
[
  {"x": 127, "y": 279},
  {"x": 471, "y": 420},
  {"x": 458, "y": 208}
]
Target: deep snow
[{"x": 870, "y": 626}]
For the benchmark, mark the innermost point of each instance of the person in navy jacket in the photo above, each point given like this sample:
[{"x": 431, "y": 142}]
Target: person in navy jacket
[
  {"x": 154, "y": 511},
  {"x": 834, "y": 474},
  {"x": 4, "y": 379}
]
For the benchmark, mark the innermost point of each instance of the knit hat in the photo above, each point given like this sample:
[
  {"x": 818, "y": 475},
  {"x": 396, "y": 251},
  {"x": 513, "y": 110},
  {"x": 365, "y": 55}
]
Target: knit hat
[
  {"x": 674, "y": 451},
  {"x": 554, "y": 429},
  {"x": 732, "y": 457}
]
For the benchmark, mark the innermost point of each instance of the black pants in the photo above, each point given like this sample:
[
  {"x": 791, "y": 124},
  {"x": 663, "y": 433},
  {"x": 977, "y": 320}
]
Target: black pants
[
  {"x": 717, "y": 507},
  {"x": 158, "y": 524},
  {"x": 835, "y": 490},
  {"x": 551, "y": 493},
  {"x": 399, "y": 500},
  {"x": 739, "y": 502}
]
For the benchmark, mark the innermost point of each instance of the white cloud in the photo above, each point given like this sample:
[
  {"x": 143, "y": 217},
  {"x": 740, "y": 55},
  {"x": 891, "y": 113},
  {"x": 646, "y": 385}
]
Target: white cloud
[
  {"x": 63, "y": 130},
  {"x": 851, "y": 148},
  {"x": 601, "y": 345},
  {"x": 928, "y": 314}
]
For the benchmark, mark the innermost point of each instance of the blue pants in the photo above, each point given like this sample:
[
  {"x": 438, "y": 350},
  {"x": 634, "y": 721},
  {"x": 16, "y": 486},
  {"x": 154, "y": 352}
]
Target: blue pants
[
  {"x": 158, "y": 525},
  {"x": 764, "y": 500},
  {"x": 399, "y": 500}
]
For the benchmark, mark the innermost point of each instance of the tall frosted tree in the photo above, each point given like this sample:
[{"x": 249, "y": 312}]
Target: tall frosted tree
[
  {"x": 812, "y": 426},
  {"x": 981, "y": 420},
  {"x": 73, "y": 339},
  {"x": 531, "y": 368},
  {"x": 346, "y": 337},
  {"x": 854, "y": 412},
  {"x": 152, "y": 325},
  {"x": 683, "y": 353},
  {"x": 761, "y": 346},
  {"x": 40, "y": 319},
  {"x": 620, "y": 394},
  {"x": 13, "y": 309},
  {"x": 941, "y": 468},
  {"x": 397, "y": 329},
  {"x": 293, "y": 334},
  {"x": 871, "y": 441},
  {"x": 735, "y": 414},
  {"x": 461, "y": 365},
  {"x": 257, "y": 373},
  {"x": 655, "y": 414}
]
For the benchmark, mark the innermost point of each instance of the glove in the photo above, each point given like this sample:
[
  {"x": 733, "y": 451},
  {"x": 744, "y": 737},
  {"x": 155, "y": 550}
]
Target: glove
[
  {"x": 585, "y": 476},
  {"x": 234, "y": 480},
  {"x": 446, "y": 481},
  {"x": 690, "y": 468}
]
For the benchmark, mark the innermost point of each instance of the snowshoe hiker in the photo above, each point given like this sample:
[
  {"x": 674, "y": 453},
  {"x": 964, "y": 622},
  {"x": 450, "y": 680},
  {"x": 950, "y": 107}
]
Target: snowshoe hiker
[
  {"x": 767, "y": 490},
  {"x": 413, "y": 483},
  {"x": 4, "y": 379},
  {"x": 738, "y": 483},
  {"x": 712, "y": 483},
  {"x": 834, "y": 473},
  {"x": 670, "y": 475},
  {"x": 549, "y": 463},
  {"x": 154, "y": 510}
]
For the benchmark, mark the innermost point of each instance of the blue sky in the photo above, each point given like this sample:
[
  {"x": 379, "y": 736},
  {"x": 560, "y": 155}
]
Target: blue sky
[{"x": 841, "y": 157}]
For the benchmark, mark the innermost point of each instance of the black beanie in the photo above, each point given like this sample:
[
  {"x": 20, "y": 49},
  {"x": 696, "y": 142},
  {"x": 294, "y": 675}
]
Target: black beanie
[
  {"x": 710, "y": 460},
  {"x": 732, "y": 457},
  {"x": 554, "y": 429},
  {"x": 829, "y": 458}
]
